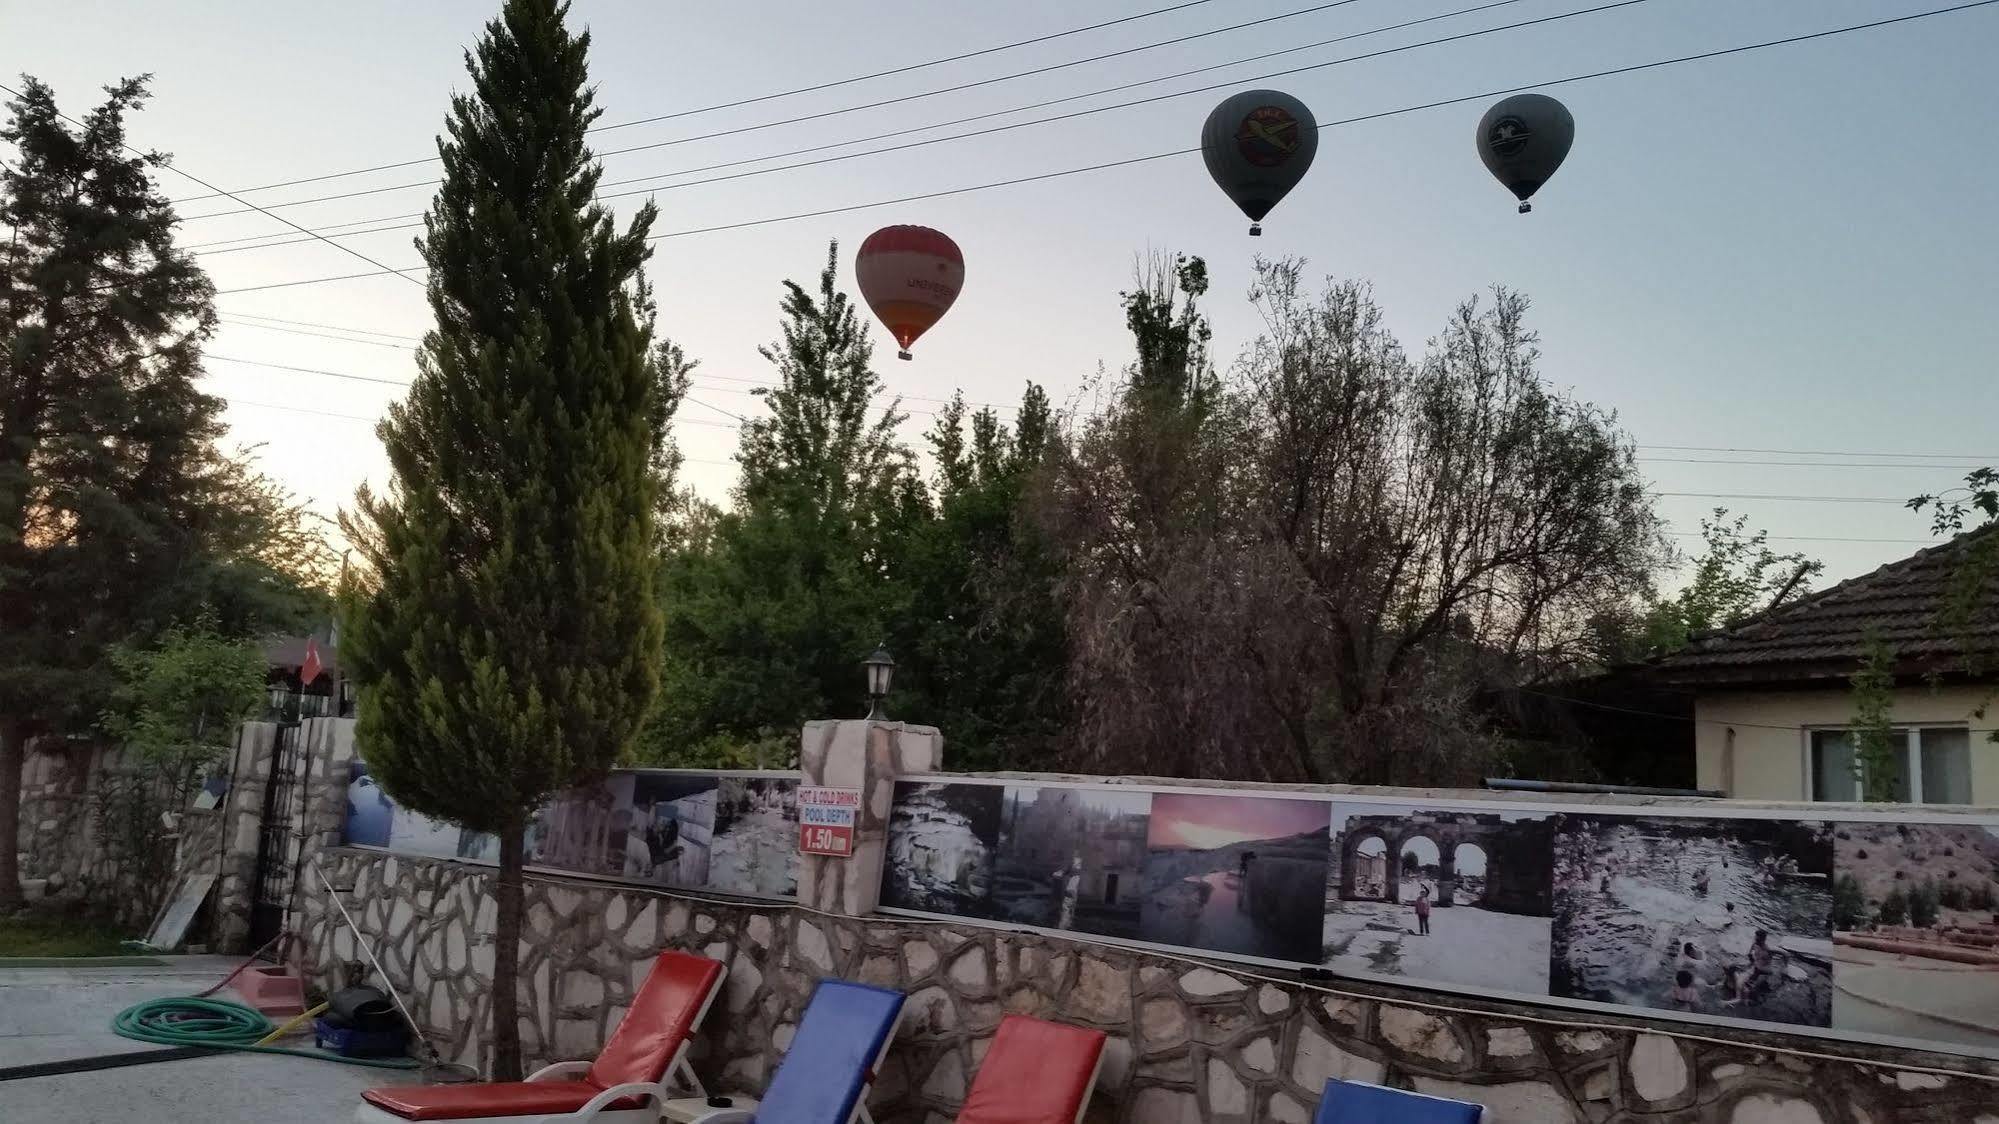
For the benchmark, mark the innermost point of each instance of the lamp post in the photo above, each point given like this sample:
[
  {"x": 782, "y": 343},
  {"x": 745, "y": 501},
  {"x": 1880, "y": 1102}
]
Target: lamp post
[{"x": 880, "y": 667}]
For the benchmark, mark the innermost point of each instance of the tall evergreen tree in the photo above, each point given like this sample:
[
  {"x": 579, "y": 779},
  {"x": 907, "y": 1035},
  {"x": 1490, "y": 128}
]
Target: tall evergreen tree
[
  {"x": 112, "y": 494},
  {"x": 505, "y": 638}
]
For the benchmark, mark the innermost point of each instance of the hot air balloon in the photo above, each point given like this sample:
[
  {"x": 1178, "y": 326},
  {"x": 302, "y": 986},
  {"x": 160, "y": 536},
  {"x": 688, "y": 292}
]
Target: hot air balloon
[
  {"x": 1258, "y": 145},
  {"x": 1523, "y": 140},
  {"x": 909, "y": 276}
]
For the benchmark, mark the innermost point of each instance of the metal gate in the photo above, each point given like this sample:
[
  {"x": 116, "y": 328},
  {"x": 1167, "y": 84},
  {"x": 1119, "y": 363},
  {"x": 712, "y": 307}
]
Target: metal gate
[{"x": 277, "y": 842}]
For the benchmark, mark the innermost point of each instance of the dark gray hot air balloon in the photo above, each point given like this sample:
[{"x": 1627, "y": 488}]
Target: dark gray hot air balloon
[
  {"x": 1523, "y": 140},
  {"x": 1258, "y": 145}
]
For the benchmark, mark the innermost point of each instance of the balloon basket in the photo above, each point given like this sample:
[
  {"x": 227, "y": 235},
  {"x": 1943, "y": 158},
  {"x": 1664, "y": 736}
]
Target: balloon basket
[
  {"x": 903, "y": 355},
  {"x": 1525, "y": 206},
  {"x": 1256, "y": 230}
]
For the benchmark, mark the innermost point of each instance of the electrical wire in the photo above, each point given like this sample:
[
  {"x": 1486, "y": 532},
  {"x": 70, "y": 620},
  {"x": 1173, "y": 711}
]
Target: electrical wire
[
  {"x": 185, "y": 174},
  {"x": 980, "y": 116},
  {"x": 757, "y": 99},
  {"x": 924, "y": 196}
]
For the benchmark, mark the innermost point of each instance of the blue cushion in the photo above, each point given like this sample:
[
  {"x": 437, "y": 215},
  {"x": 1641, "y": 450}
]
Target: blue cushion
[
  {"x": 1349, "y": 1102},
  {"x": 832, "y": 1056}
]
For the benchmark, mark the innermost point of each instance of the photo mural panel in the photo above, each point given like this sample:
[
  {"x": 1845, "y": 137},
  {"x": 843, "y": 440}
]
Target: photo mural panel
[
  {"x": 1237, "y": 874},
  {"x": 943, "y": 840},
  {"x": 1072, "y": 858},
  {"x": 755, "y": 848},
  {"x": 1458, "y": 896},
  {"x": 1915, "y": 917},
  {"x": 674, "y": 815},
  {"x": 1724, "y": 917},
  {"x": 590, "y": 830}
]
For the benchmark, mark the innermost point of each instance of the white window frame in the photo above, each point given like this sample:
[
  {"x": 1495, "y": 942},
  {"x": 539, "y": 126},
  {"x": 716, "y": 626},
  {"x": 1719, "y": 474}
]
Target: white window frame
[{"x": 1912, "y": 767}]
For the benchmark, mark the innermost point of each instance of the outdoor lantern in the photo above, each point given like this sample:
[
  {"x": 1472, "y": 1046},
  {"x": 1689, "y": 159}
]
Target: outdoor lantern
[{"x": 881, "y": 670}]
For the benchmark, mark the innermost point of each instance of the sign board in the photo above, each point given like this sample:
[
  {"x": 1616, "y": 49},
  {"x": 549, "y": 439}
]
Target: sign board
[{"x": 826, "y": 820}]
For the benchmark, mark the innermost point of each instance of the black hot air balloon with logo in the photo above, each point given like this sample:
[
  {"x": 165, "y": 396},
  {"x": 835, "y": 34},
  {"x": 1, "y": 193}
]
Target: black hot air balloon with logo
[
  {"x": 1258, "y": 145},
  {"x": 1522, "y": 140}
]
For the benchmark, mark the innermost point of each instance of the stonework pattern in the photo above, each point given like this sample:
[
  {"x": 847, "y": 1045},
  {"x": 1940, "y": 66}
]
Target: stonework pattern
[{"x": 1188, "y": 1043}]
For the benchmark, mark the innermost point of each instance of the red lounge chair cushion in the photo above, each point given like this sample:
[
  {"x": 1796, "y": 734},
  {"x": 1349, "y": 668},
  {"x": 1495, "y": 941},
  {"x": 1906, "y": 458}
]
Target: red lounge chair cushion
[
  {"x": 1035, "y": 1072},
  {"x": 661, "y": 1017},
  {"x": 497, "y": 1098}
]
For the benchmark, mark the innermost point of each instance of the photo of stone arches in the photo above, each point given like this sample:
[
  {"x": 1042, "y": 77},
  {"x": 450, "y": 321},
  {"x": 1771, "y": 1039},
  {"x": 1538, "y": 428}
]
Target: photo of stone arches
[
  {"x": 942, "y": 842},
  {"x": 1445, "y": 896},
  {"x": 1237, "y": 874},
  {"x": 1726, "y": 917},
  {"x": 1072, "y": 858},
  {"x": 1915, "y": 913}
]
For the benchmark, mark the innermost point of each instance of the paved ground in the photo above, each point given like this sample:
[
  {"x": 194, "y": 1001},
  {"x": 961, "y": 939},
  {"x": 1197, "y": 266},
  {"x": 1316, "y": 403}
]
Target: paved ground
[{"x": 49, "y": 1014}]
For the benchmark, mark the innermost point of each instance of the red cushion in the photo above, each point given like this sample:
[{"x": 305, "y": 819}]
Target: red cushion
[
  {"x": 1036, "y": 1072},
  {"x": 661, "y": 1017},
  {"x": 493, "y": 1098}
]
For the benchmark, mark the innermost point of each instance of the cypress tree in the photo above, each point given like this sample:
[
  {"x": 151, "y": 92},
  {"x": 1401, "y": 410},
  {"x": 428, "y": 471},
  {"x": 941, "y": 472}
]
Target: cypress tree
[{"x": 505, "y": 635}]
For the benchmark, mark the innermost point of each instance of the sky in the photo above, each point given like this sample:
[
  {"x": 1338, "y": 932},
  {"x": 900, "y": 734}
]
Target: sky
[
  {"x": 1788, "y": 249},
  {"x": 1207, "y": 822}
]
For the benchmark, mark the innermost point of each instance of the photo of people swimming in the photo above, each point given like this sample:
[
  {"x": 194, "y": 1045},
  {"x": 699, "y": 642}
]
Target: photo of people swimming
[{"x": 1726, "y": 917}]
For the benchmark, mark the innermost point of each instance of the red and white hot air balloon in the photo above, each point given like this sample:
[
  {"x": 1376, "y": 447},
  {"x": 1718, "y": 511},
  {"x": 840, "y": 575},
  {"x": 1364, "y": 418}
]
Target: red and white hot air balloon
[{"x": 909, "y": 276}]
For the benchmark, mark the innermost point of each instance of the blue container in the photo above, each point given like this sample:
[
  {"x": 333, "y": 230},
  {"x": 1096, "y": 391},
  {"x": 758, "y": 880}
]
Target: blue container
[{"x": 351, "y": 1043}]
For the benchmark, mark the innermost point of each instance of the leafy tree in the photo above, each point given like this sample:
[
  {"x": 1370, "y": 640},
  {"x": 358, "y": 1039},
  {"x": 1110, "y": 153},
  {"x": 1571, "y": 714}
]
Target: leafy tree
[
  {"x": 1735, "y": 576},
  {"x": 1894, "y": 909},
  {"x": 770, "y": 609},
  {"x": 983, "y": 639},
  {"x": 118, "y": 513},
  {"x": 1972, "y": 600},
  {"x": 1306, "y": 568},
  {"x": 1877, "y": 762},
  {"x": 1849, "y": 903},
  {"x": 179, "y": 700},
  {"x": 506, "y": 633},
  {"x": 1923, "y": 902}
]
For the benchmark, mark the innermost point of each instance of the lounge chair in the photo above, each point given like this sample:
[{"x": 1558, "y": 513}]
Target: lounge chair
[
  {"x": 1351, "y": 1102},
  {"x": 625, "y": 1085},
  {"x": 825, "y": 1074},
  {"x": 1035, "y": 1072}
]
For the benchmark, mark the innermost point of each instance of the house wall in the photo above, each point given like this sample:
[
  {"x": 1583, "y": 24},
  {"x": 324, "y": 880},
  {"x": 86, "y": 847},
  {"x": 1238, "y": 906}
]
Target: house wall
[{"x": 1769, "y": 735}]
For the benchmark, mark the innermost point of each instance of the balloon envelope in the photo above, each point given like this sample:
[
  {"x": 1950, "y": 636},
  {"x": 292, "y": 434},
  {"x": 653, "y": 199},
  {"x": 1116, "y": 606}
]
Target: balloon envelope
[
  {"x": 1523, "y": 139},
  {"x": 1258, "y": 145},
  {"x": 909, "y": 275}
]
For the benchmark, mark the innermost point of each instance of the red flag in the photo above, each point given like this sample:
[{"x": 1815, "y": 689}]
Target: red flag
[{"x": 308, "y": 672}]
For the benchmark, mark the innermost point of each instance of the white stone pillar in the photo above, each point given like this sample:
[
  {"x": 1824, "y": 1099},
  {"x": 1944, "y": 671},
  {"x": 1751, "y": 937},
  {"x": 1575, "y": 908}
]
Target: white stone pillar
[{"x": 868, "y": 756}]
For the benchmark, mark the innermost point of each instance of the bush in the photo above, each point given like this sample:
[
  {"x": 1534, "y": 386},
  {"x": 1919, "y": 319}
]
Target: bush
[
  {"x": 1953, "y": 895},
  {"x": 1849, "y": 903},
  {"x": 1923, "y": 905},
  {"x": 1894, "y": 908}
]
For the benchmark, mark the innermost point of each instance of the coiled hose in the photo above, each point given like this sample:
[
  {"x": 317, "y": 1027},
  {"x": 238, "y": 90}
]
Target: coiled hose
[{"x": 221, "y": 1025}]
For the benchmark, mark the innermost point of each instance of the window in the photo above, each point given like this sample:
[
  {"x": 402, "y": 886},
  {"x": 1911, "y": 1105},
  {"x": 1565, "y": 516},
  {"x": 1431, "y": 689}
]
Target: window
[{"x": 1936, "y": 765}]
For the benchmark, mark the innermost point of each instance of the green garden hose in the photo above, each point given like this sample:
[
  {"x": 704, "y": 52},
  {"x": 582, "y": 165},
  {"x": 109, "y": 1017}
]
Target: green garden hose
[{"x": 220, "y": 1025}]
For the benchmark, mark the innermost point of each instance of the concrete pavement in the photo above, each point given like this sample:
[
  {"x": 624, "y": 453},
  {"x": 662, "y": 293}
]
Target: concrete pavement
[{"x": 51, "y": 1014}]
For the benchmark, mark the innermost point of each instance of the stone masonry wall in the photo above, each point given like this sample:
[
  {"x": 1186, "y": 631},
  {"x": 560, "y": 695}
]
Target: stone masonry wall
[{"x": 1190, "y": 1043}]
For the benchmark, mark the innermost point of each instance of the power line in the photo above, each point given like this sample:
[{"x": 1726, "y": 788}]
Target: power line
[
  {"x": 184, "y": 173},
  {"x": 328, "y": 327},
  {"x": 1823, "y": 452},
  {"x": 1810, "y": 464},
  {"x": 1611, "y": 72},
  {"x": 985, "y": 116},
  {"x": 320, "y": 335},
  {"x": 400, "y": 383},
  {"x": 1768, "y": 496},
  {"x": 760, "y": 97},
  {"x": 1818, "y": 538}
]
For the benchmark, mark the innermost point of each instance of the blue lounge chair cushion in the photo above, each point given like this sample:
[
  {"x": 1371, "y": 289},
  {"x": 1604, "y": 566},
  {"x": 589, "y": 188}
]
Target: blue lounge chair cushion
[
  {"x": 832, "y": 1056},
  {"x": 1350, "y": 1102}
]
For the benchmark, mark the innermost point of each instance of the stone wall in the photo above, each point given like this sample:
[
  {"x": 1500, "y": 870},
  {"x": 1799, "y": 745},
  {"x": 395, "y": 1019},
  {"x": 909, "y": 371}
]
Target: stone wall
[{"x": 1191, "y": 1043}]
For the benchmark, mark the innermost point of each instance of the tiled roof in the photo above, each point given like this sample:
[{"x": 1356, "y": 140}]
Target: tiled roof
[{"x": 1822, "y": 636}]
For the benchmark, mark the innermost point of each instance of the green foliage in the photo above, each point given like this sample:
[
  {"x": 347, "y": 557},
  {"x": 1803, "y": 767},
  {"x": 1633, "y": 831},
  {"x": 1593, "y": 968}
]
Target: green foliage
[
  {"x": 1877, "y": 762},
  {"x": 1849, "y": 903},
  {"x": 769, "y": 611},
  {"x": 1894, "y": 908},
  {"x": 1954, "y": 895},
  {"x": 178, "y": 701},
  {"x": 505, "y": 635},
  {"x": 119, "y": 514},
  {"x": 1735, "y": 576},
  {"x": 1923, "y": 902}
]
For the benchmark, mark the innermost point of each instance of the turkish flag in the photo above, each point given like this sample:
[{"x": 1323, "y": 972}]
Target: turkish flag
[{"x": 308, "y": 672}]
